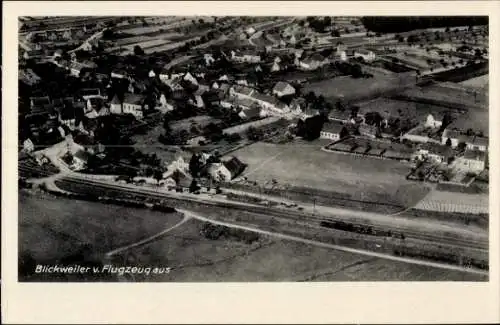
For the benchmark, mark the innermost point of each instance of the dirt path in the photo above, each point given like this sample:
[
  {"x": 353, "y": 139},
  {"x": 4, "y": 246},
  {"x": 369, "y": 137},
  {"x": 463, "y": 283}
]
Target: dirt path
[{"x": 149, "y": 239}]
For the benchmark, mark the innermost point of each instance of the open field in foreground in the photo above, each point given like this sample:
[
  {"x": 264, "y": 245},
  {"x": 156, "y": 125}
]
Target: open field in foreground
[
  {"x": 304, "y": 164},
  {"x": 51, "y": 228},
  {"x": 193, "y": 257}
]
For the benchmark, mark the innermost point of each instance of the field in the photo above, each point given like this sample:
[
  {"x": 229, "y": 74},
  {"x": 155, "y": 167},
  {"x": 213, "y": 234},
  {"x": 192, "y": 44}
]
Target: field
[
  {"x": 53, "y": 228},
  {"x": 350, "y": 88},
  {"x": 448, "y": 94},
  {"x": 170, "y": 46},
  {"x": 412, "y": 110},
  {"x": 478, "y": 82},
  {"x": 455, "y": 202},
  {"x": 194, "y": 258},
  {"x": 304, "y": 165}
]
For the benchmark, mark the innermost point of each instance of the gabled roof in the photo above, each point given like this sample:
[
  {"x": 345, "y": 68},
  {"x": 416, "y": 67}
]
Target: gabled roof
[
  {"x": 333, "y": 127},
  {"x": 437, "y": 149},
  {"x": 235, "y": 166},
  {"x": 134, "y": 99},
  {"x": 115, "y": 100},
  {"x": 281, "y": 86},
  {"x": 475, "y": 155}
]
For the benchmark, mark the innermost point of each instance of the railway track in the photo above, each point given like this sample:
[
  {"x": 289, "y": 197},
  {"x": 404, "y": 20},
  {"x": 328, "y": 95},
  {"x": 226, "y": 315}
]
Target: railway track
[{"x": 95, "y": 186}]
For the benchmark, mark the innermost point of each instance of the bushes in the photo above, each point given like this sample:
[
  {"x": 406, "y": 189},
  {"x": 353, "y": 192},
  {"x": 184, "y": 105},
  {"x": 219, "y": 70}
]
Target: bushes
[{"x": 214, "y": 232}]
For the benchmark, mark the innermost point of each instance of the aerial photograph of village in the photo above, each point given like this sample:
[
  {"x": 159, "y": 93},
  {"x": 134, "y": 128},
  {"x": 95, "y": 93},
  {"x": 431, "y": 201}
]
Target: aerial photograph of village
[{"x": 253, "y": 148}]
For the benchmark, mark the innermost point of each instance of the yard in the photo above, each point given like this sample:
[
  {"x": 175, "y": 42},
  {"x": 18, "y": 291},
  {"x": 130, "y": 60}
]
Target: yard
[
  {"x": 350, "y": 88},
  {"x": 304, "y": 165}
]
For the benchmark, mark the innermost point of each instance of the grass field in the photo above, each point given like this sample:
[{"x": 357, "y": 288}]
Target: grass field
[
  {"x": 193, "y": 258},
  {"x": 478, "y": 82},
  {"x": 53, "y": 228},
  {"x": 412, "y": 110},
  {"x": 351, "y": 88},
  {"x": 302, "y": 164},
  {"x": 455, "y": 202}
]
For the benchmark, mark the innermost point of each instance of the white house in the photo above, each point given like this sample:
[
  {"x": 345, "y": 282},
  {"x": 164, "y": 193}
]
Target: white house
[
  {"x": 333, "y": 131},
  {"x": 367, "y": 55},
  {"x": 248, "y": 57},
  {"x": 152, "y": 74},
  {"x": 250, "y": 31},
  {"x": 276, "y": 67},
  {"x": 189, "y": 77},
  {"x": 132, "y": 104},
  {"x": 209, "y": 59},
  {"x": 433, "y": 122},
  {"x": 283, "y": 89}
]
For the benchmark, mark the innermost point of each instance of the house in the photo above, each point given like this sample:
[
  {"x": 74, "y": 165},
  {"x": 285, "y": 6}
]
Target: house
[
  {"x": 209, "y": 59},
  {"x": 151, "y": 74},
  {"x": 87, "y": 93},
  {"x": 276, "y": 67},
  {"x": 435, "y": 152},
  {"x": 131, "y": 104},
  {"x": 283, "y": 89},
  {"x": 313, "y": 62},
  {"x": 472, "y": 161},
  {"x": 227, "y": 170},
  {"x": 344, "y": 116},
  {"x": 432, "y": 122},
  {"x": 367, "y": 55},
  {"x": 333, "y": 131},
  {"x": 76, "y": 67},
  {"x": 250, "y": 31},
  {"x": 252, "y": 112},
  {"x": 369, "y": 130},
  {"x": 477, "y": 143},
  {"x": 190, "y": 78},
  {"x": 245, "y": 57}
]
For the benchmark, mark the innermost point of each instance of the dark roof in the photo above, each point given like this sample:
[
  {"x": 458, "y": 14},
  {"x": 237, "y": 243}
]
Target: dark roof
[
  {"x": 475, "y": 155},
  {"x": 437, "y": 149},
  {"x": 83, "y": 155},
  {"x": 333, "y": 127},
  {"x": 340, "y": 115},
  {"x": 40, "y": 101},
  {"x": 317, "y": 57},
  {"x": 235, "y": 166},
  {"x": 479, "y": 141},
  {"x": 136, "y": 99},
  {"x": 115, "y": 100}
]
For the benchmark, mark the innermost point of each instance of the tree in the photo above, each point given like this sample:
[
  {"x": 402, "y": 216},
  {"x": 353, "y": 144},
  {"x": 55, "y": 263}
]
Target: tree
[
  {"x": 158, "y": 175},
  {"x": 335, "y": 33},
  {"x": 193, "y": 187},
  {"x": 201, "y": 21},
  {"x": 195, "y": 165},
  {"x": 448, "y": 142},
  {"x": 138, "y": 50}
]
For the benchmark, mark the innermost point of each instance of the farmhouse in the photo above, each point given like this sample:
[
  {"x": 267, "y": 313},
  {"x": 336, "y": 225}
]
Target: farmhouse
[
  {"x": 367, "y": 55},
  {"x": 333, "y": 131},
  {"x": 283, "y": 89},
  {"x": 472, "y": 161}
]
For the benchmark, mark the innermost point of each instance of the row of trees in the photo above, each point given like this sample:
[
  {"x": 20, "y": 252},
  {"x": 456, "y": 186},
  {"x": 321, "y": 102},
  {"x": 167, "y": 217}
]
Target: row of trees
[{"x": 391, "y": 24}]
